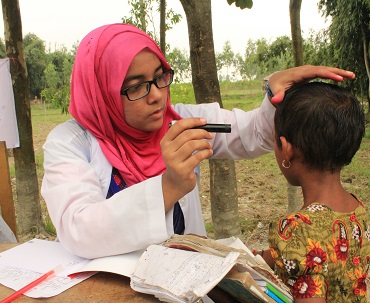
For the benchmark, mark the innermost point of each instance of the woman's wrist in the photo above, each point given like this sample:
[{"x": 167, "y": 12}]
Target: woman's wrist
[{"x": 269, "y": 93}]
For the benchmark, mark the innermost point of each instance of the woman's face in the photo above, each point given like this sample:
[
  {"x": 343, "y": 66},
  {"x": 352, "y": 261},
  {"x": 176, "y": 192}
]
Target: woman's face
[{"x": 146, "y": 113}]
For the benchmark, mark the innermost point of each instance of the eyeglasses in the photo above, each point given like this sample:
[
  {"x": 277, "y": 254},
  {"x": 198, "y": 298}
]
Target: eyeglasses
[{"x": 140, "y": 90}]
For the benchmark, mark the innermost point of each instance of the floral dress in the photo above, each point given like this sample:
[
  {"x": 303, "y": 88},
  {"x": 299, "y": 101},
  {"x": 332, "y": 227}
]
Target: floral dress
[{"x": 323, "y": 253}]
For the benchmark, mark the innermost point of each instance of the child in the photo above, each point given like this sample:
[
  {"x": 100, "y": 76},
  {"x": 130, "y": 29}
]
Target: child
[{"x": 321, "y": 252}]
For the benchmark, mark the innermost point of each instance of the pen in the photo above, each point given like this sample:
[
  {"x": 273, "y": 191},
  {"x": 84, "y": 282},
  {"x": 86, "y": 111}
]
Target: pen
[
  {"x": 212, "y": 127},
  {"x": 277, "y": 293},
  {"x": 273, "y": 296},
  {"x": 31, "y": 285}
]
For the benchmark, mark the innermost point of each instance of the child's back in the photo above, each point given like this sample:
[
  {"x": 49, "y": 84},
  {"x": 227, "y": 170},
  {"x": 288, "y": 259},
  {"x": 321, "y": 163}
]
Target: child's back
[{"x": 323, "y": 250}]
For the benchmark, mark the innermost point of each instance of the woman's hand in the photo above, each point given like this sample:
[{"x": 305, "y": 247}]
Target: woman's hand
[
  {"x": 281, "y": 81},
  {"x": 183, "y": 149}
]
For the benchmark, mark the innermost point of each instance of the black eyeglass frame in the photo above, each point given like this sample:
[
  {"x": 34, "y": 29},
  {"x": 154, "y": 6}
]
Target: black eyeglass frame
[{"x": 149, "y": 83}]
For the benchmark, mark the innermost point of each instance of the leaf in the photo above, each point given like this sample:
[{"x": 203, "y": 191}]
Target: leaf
[{"x": 242, "y": 4}]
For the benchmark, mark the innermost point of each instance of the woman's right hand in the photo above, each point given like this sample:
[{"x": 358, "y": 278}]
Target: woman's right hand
[{"x": 183, "y": 148}]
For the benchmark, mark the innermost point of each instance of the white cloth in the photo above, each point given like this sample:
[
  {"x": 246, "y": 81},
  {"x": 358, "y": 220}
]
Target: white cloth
[
  {"x": 6, "y": 234},
  {"x": 8, "y": 120},
  {"x": 77, "y": 177}
]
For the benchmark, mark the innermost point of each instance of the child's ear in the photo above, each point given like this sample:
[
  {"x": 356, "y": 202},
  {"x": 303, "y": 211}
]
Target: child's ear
[{"x": 287, "y": 149}]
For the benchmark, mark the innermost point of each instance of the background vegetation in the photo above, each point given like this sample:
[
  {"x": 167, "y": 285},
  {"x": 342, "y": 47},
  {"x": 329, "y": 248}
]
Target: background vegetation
[
  {"x": 49, "y": 71},
  {"x": 262, "y": 190}
]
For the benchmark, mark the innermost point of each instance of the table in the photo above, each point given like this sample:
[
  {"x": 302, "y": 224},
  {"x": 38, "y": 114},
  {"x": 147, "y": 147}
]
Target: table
[{"x": 100, "y": 288}]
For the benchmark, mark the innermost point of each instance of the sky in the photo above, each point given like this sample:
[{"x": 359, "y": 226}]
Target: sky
[{"x": 64, "y": 23}]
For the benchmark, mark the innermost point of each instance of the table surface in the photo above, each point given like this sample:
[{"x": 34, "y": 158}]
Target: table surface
[{"x": 100, "y": 288}]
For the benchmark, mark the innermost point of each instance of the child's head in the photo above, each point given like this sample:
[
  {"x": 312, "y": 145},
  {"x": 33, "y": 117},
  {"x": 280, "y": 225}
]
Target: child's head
[{"x": 324, "y": 123}]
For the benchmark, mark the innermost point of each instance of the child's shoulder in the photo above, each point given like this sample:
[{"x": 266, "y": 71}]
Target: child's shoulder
[
  {"x": 318, "y": 215},
  {"x": 313, "y": 210}
]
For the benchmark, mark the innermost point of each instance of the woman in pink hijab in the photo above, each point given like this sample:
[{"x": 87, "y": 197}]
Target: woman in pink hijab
[{"x": 117, "y": 179}]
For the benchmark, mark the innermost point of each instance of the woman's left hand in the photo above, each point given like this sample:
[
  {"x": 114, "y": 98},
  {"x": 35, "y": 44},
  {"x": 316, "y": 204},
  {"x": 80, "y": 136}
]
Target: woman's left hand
[{"x": 281, "y": 81}]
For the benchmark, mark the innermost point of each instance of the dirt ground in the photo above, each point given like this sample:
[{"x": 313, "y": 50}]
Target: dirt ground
[{"x": 262, "y": 196}]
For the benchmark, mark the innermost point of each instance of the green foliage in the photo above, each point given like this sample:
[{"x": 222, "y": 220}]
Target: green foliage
[
  {"x": 57, "y": 85},
  {"x": 242, "y": 4},
  {"x": 234, "y": 94},
  {"x": 49, "y": 73},
  {"x": 210, "y": 229},
  {"x": 2, "y": 48},
  {"x": 143, "y": 15},
  {"x": 182, "y": 93},
  {"x": 36, "y": 60},
  {"x": 226, "y": 58},
  {"x": 58, "y": 58},
  {"x": 349, "y": 32},
  {"x": 248, "y": 66},
  {"x": 281, "y": 51},
  {"x": 49, "y": 227},
  {"x": 180, "y": 63},
  {"x": 244, "y": 94},
  {"x": 247, "y": 226},
  {"x": 52, "y": 80},
  {"x": 317, "y": 49},
  {"x": 262, "y": 57}
]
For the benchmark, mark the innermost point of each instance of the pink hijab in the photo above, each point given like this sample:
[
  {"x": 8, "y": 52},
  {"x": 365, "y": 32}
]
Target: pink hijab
[{"x": 102, "y": 60}]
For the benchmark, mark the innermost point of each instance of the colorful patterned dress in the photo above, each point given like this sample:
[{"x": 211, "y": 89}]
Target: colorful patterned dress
[{"x": 323, "y": 253}]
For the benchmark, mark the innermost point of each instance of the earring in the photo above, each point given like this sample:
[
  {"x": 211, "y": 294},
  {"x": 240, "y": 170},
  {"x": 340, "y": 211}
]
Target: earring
[{"x": 286, "y": 165}]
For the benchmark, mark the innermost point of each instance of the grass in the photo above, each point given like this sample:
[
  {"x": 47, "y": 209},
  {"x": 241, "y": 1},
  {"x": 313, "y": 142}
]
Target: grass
[{"x": 262, "y": 191}]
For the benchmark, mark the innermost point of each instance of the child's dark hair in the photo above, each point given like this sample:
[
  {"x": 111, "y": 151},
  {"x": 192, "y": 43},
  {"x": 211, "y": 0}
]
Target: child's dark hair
[{"x": 323, "y": 121}]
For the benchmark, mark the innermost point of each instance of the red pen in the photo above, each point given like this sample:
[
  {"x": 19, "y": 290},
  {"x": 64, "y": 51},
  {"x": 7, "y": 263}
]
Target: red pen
[{"x": 31, "y": 285}]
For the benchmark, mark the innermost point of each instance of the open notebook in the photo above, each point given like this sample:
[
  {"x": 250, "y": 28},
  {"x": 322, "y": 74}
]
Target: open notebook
[{"x": 186, "y": 267}]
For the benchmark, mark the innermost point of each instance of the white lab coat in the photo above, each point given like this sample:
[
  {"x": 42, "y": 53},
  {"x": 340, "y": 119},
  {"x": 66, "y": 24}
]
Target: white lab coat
[{"x": 77, "y": 177}]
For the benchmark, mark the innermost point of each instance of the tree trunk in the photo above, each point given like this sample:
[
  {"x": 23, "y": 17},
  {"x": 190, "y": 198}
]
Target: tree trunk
[
  {"x": 366, "y": 59},
  {"x": 224, "y": 203},
  {"x": 224, "y": 200},
  {"x": 297, "y": 45},
  {"x": 142, "y": 15},
  {"x": 162, "y": 29},
  {"x": 295, "y": 27},
  {"x": 27, "y": 189}
]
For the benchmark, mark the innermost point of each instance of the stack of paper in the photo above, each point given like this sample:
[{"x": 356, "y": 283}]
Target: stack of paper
[
  {"x": 186, "y": 267},
  {"x": 179, "y": 276}
]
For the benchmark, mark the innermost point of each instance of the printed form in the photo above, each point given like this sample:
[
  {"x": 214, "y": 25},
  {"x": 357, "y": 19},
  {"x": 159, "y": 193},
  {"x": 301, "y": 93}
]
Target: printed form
[{"x": 26, "y": 262}]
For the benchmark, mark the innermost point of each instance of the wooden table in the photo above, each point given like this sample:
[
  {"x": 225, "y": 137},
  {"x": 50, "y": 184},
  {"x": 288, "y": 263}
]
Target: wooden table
[{"x": 100, "y": 288}]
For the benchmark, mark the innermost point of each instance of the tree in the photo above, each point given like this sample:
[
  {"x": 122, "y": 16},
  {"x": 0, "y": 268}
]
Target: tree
[
  {"x": 227, "y": 58},
  {"x": 280, "y": 53},
  {"x": 317, "y": 49},
  {"x": 263, "y": 57},
  {"x": 224, "y": 203},
  {"x": 143, "y": 16},
  {"x": 162, "y": 26},
  {"x": 350, "y": 33},
  {"x": 297, "y": 46},
  {"x": 241, "y": 3},
  {"x": 57, "y": 84},
  {"x": 295, "y": 27},
  {"x": 37, "y": 60},
  {"x": 27, "y": 189},
  {"x": 180, "y": 62},
  {"x": 248, "y": 67}
]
